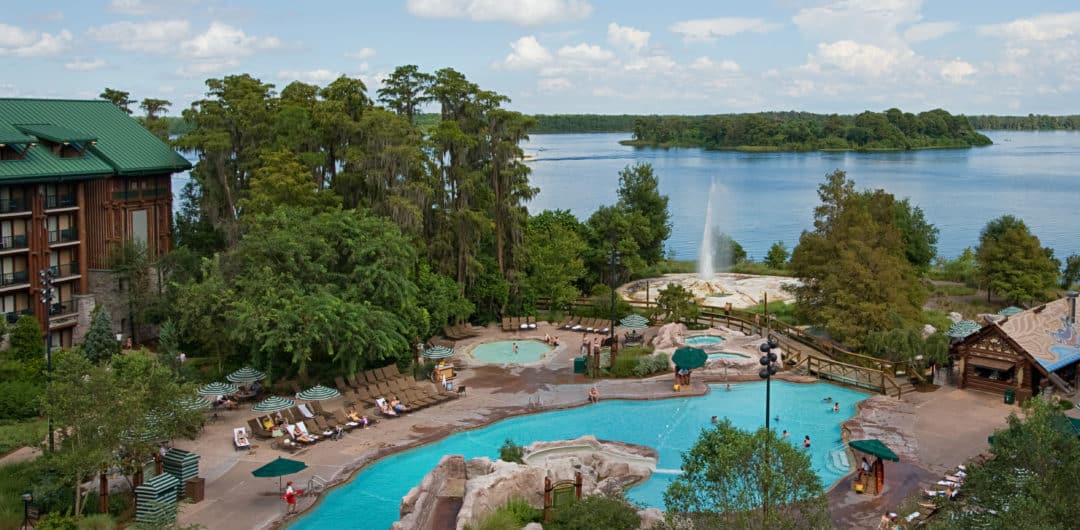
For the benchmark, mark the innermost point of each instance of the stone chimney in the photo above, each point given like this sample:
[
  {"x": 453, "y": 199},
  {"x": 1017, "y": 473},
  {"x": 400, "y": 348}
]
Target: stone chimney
[{"x": 1072, "y": 306}]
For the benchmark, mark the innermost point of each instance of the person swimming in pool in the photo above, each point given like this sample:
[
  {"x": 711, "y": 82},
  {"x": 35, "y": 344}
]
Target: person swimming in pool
[
  {"x": 836, "y": 407},
  {"x": 806, "y": 442},
  {"x": 515, "y": 348}
]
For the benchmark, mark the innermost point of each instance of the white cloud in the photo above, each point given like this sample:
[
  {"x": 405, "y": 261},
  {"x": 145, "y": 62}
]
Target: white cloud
[
  {"x": 627, "y": 37},
  {"x": 212, "y": 66},
  {"x": 81, "y": 65},
  {"x": 26, "y": 43},
  {"x": 1043, "y": 28},
  {"x": 521, "y": 12},
  {"x": 129, "y": 7},
  {"x": 224, "y": 41},
  {"x": 362, "y": 53},
  {"x": 554, "y": 84},
  {"x": 158, "y": 36},
  {"x": 706, "y": 64},
  {"x": 860, "y": 59},
  {"x": 585, "y": 53},
  {"x": 315, "y": 77},
  {"x": 526, "y": 53},
  {"x": 955, "y": 71},
  {"x": 928, "y": 31},
  {"x": 869, "y": 21},
  {"x": 708, "y": 29}
]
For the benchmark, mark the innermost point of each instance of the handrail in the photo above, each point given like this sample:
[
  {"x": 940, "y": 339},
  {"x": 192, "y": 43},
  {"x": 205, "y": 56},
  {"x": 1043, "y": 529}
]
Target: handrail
[{"x": 748, "y": 321}]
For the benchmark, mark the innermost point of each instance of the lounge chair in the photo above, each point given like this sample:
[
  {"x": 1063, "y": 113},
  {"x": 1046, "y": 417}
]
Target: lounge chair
[
  {"x": 303, "y": 432},
  {"x": 322, "y": 425},
  {"x": 415, "y": 400},
  {"x": 309, "y": 428},
  {"x": 291, "y": 416},
  {"x": 603, "y": 326},
  {"x": 473, "y": 332},
  {"x": 353, "y": 381},
  {"x": 317, "y": 407},
  {"x": 306, "y": 410},
  {"x": 451, "y": 333},
  {"x": 384, "y": 388},
  {"x": 258, "y": 430},
  {"x": 342, "y": 386},
  {"x": 385, "y": 374},
  {"x": 565, "y": 321},
  {"x": 522, "y": 323},
  {"x": 342, "y": 419},
  {"x": 383, "y": 407},
  {"x": 241, "y": 440},
  {"x": 371, "y": 376},
  {"x": 576, "y": 324},
  {"x": 531, "y": 322},
  {"x": 506, "y": 324}
]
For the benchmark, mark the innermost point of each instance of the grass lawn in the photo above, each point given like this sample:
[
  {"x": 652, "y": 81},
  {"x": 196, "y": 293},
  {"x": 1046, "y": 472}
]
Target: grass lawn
[{"x": 17, "y": 434}]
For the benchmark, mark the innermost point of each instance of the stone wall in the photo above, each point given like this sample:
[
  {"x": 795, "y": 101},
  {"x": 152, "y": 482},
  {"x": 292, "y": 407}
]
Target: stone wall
[{"x": 103, "y": 284}]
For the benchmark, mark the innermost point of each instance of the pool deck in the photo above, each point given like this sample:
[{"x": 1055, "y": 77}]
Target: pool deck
[{"x": 939, "y": 429}]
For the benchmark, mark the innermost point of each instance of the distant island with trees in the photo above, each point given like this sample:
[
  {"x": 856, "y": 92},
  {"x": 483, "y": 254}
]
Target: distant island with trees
[{"x": 627, "y": 123}]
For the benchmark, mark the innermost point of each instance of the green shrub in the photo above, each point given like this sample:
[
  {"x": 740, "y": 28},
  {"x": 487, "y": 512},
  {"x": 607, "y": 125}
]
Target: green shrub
[
  {"x": 523, "y": 512},
  {"x": 54, "y": 521},
  {"x": 626, "y": 363},
  {"x": 19, "y": 400},
  {"x": 511, "y": 452},
  {"x": 100, "y": 521},
  {"x": 597, "y": 511},
  {"x": 22, "y": 433},
  {"x": 651, "y": 364}
]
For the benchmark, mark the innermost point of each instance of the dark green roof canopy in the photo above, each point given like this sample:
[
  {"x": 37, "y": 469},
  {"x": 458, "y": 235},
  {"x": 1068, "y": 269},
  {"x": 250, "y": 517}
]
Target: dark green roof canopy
[
  {"x": 874, "y": 447},
  {"x": 55, "y": 133},
  {"x": 123, "y": 146}
]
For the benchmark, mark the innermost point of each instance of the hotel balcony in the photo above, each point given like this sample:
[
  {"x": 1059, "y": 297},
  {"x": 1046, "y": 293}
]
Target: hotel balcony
[
  {"x": 66, "y": 235},
  {"x": 18, "y": 242},
  {"x": 13, "y": 316},
  {"x": 57, "y": 202},
  {"x": 13, "y": 207},
  {"x": 65, "y": 271},
  {"x": 8, "y": 279}
]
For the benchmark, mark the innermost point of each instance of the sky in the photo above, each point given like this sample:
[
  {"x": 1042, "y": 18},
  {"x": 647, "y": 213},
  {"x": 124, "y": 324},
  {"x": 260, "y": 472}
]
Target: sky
[{"x": 570, "y": 56}]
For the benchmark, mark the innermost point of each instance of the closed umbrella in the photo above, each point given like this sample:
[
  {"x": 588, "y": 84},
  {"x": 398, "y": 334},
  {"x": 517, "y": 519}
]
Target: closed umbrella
[
  {"x": 634, "y": 322},
  {"x": 279, "y": 468},
  {"x": 689, "y": 357},
  {"x": 273, "y": 404},
  {"x": 246, "y": 375},
  {"x": 217, "y": 389},
  {"x": 438, "y": 352},
  {"x": 318, "y": 393}
]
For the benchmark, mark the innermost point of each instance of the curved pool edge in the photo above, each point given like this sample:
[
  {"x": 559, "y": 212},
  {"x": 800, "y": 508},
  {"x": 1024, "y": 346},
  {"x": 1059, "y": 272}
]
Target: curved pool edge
[
  {"x": 546, "y": 355},
  {"x": 349, "y": 471}
]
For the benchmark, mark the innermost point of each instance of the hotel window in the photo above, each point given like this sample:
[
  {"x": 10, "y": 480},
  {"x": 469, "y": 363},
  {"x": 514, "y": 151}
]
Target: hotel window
[{"x": 139, "y": 229}]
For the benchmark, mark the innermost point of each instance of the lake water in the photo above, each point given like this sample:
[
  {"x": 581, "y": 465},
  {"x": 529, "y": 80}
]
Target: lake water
[{"x": 771, "y": 196}]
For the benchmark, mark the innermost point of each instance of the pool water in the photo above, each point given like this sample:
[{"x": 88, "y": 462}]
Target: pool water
[
  {"x": 704, "y": 340},
  {"x": 726, "y": 355},
  {"x": 670, "y": 426},
  {"x": 502, "y": 352}
]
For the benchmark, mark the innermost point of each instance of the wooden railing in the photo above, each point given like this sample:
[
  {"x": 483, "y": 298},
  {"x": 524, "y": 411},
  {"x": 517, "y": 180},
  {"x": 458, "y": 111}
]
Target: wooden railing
[{"x": 833, "y": 363}]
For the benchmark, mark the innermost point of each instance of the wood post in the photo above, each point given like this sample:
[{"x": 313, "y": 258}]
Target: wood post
[
  {"x": 577, "y": 484},
  {"x": 103, "y": 493}
]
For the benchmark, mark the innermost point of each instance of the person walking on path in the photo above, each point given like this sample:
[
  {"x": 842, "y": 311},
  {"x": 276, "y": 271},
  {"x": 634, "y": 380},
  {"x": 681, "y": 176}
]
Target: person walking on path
[{"x": 290, "y": 498}]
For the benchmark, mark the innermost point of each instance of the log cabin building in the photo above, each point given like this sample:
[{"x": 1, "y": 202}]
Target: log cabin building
[
  {"x": 76, "y": 178},
  {"x": 1027, "y": 352}
]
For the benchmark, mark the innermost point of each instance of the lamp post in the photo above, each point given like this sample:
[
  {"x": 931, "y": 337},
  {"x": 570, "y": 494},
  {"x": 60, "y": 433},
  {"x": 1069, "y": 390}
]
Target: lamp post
[
  {"x": 27, "y": 498},
  {"x": 768, "y": 369},
  {"x": 46, "y": 277},
  {"x": 613, "y": 260}
]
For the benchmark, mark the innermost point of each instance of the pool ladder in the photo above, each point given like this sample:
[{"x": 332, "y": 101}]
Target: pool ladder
[{"x": 836, "y": 460}]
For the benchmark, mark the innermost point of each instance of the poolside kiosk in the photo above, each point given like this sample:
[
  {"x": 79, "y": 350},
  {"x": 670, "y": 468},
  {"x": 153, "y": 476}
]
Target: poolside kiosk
[
  {"x": 874, "y": 482},
  {"x": 1019, "y": 355}
]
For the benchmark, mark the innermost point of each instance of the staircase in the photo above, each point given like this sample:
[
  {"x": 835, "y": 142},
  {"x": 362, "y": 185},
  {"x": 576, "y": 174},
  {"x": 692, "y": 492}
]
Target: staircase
[
  {"x": 836, "y": 460},
  {"x": 1063, "y": 385},
  {"x": 905, "y": 387}
]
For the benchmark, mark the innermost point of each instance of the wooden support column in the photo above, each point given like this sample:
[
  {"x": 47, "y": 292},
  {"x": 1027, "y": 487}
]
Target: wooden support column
[
  {"x": 103, "y": 493},
  {"x": 80, "y": 199}
]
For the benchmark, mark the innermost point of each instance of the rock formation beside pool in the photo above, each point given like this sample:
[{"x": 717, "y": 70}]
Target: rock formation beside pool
[
  {"x": 468, "y": 490},
  {"x": 740, "y": 290}
]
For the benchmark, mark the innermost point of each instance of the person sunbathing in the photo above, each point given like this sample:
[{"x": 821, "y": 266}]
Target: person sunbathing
[
  {"x": 299, "y": 435},
  {"x": 242, "y": 441},
  {"x": 358, "y": 419},
  {"x": 397, "y": 405},
  {"x": 384, "y": 407}
]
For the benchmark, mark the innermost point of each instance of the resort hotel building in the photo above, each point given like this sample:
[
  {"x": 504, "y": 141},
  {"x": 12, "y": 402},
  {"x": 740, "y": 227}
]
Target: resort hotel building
[{"x": 77, "y": 178}]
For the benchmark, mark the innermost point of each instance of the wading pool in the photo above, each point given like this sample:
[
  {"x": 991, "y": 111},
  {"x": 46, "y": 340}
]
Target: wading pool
[
  {"x": 502, "y": 352},
  {"x": 704, "y": 340}
]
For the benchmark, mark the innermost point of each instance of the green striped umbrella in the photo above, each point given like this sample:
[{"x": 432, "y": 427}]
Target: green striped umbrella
[
  {"x": 634, "y": 322},
  {"x": 150, "y": 431},
  {"x": 438, "y": 352},
  {"x": 963, "y": 328},
  {"x": 194, "y": 403},
  {"x": 217, "y": 388},
  {"x": 273, "y": 404},
  {"x": 246, "y": 375},
  {"x": 318, "y": 393}
]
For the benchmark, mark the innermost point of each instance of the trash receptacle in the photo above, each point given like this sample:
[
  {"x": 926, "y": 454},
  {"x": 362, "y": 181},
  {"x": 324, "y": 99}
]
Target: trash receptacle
[
  {"x": 1010, "y": 396},
  {"x": 579, "y": 365}
]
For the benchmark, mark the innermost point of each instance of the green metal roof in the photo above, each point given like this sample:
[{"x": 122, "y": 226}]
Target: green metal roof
[
  {"x": 55, "y": 133},
  {"x": 124, "y": 146},
  {"x": 14, "y": 136}
]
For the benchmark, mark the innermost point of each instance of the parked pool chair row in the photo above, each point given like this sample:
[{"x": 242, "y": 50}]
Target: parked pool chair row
[
  {"x": 410, "y": 393},
  {"x": 587, "y": 325},
  {"x": 320, "y": 425},
  {"x": 463, "y": 331},
  {"x": 518, "y": 323}
]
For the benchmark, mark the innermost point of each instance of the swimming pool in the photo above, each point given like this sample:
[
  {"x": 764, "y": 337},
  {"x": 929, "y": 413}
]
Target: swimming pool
[
  {"x": 668, "y": 425},
  {"x": 502, "y": 352},
  {"x": 703, "y": 340},
  {"x": 726, "y": 355}
]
